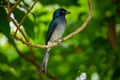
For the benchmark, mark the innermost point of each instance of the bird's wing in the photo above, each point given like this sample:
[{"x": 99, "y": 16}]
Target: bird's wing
[{"x": 51, "y": 29}]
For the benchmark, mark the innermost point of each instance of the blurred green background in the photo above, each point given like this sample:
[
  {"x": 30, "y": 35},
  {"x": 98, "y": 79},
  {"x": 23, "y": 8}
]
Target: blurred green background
[{"x": 95, "y": 51}]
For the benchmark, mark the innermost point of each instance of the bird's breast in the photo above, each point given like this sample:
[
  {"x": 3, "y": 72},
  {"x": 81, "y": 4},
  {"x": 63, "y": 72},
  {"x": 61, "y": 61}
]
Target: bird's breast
[{"x": 58, "y": 32}]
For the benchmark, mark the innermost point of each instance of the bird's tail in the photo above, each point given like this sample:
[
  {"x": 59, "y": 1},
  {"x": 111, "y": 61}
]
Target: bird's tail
[{"x": 45, "y": 62}]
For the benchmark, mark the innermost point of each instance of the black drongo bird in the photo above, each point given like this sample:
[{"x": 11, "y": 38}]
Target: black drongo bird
[{"x": 55, "y": 32}]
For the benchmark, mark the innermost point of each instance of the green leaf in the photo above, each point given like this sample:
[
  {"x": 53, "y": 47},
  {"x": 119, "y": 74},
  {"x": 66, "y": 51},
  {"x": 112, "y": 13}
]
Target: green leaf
[{"x": 4, "y": 23}]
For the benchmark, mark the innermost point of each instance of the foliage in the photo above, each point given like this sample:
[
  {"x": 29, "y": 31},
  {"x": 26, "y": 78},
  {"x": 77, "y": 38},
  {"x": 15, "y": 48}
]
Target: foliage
[{"x": 95, "y": 50}]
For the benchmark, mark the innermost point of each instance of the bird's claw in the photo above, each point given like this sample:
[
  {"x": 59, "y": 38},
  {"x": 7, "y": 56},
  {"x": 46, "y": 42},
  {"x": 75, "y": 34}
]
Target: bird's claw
[{"x": 58, "y": 42}]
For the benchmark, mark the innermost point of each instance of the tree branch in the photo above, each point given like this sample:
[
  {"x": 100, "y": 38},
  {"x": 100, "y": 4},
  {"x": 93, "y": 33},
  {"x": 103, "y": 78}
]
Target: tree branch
[
  {"x": 33, "y": 61},
  {"x": 65, "y": 38},
  {"x": 26, "y": 57},
  {"x": 23, "y": 19},
  {"x": 3, "y": 5},
  {"x": 13, "y": 7}
]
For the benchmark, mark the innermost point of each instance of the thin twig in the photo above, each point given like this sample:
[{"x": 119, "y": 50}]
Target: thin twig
[
  {"x": 23, "y": 19},
  {"x": 26, "y": 57},
  {"x": 13, "y": 7},
  {"x": 8, "y": 5},
  {"x": 3, "y": 5},
  {"x": 84, "y": 24},
  {"x": 10, "y": 18}
]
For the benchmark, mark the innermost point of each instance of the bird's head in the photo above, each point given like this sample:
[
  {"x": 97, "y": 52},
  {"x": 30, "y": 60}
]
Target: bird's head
[{"x": 60, "y": 12}]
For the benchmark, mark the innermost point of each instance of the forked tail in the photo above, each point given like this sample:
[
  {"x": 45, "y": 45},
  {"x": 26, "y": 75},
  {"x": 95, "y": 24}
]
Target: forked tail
[{"x": 45, "y": 62}]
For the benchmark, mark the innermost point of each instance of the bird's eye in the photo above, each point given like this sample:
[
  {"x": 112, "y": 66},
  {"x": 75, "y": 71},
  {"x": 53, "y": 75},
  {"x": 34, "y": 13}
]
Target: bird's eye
[{"x": 63, "y": 11}]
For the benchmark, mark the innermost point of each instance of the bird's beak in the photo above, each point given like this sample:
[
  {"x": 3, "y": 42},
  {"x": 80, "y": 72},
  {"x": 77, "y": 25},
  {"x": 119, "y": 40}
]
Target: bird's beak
[{"x": 68, "y": 12}]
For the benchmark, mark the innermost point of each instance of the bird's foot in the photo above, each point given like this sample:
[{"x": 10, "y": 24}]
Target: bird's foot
[{"x": 58, "y": 42}]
